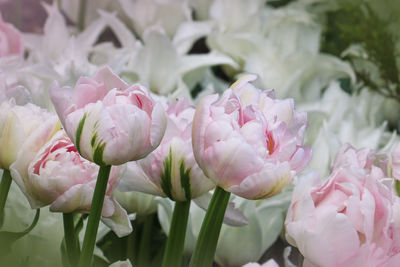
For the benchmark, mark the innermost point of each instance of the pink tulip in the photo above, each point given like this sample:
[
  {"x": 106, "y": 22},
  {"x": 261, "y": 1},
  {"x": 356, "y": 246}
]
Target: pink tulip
[
  {"x": 348, "y": 219},
  {"x": 366, "y": 159},
  {"x": 248, "y": 142},
  {"x": 58, "y": 176},
  {"x": 10, "y": 40},
  {"x": 170, "y": 170},
  {"x": 109, "y": 122}
]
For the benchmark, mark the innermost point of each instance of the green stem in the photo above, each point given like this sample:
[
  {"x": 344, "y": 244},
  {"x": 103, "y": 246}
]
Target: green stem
[
  {"x": 131, "y": 243},
  {"x": 94, "y": 216},
  {"x": 70, "y": 239},
  {"x": 4, "y": 189},
  {"x": 145, "y": 242},
  {"x": 397, "y": 186},
  {"x": 177, "y": 232},
  {"x": 81, "y": 15},
  {"x": 207, "y": 241}
]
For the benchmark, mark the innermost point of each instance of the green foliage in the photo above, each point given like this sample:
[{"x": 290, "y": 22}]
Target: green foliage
[
  {"x": 373, "y": 26},
  {"x": 8, "y": 238}
]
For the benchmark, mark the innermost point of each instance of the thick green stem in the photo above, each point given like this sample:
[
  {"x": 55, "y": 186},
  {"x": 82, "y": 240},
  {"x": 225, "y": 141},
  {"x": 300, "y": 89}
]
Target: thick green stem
[
  {"x": 177, "y": 233},
  {"x": 143, "y": 257},
  {"x": 207, "y": 242},
  {"x": 81, "y": 15},
  {"x": 94, "y": 217},
  {"x": 4, "y": 189},
  {"x": 71, "y": 241}
]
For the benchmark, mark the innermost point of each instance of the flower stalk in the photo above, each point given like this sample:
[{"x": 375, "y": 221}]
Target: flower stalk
[
  {"x": 4, "y": 189},
  {"x": 177, "y": 233},
  {"x": 211, "y": 227},
  {"x": 143, "y": 258},
  {"x": 81, "y": 15},
  {"x": 71, "y": 241},
  {"x": 94, "y": 216}
]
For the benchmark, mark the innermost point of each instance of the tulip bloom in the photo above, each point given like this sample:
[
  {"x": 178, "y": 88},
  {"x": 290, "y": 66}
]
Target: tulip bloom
[
  {"x": 23, "y": 128},
  {"x": 347, "y": 220},
  {"x": 170, "y": 170},
  {"x": 10, "y": 40},
  {"x": 248, "y": 142},
  {"x": 58, "y": 176},
  {"x": 109, "y": 122}
]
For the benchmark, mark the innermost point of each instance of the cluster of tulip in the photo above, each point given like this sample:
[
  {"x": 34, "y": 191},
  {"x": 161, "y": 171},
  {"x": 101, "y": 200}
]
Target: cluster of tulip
[
  {"x": 108, "y": 136},
  {"x": 245, "y": 142}
]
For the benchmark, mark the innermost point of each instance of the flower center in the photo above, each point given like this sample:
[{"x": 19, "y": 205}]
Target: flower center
[{"x": 270, "y": 143}]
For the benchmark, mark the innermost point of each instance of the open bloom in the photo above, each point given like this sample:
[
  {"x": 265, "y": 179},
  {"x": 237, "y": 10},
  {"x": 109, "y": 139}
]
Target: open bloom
[
  {"x": 348, "y": 219},
  {"x": 28, "y": 126},
  {"x": 109, "y": 122},
  {"x": 170, "y": 170},
  {"x": 10, "y": 40},
  {"x": 58, "y": 176},
  {"x": 366, "y": 159},
  {"x": 248, "y": 142}
]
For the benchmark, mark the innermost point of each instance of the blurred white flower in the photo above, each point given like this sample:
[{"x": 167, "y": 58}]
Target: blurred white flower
[
  {"x": 288, "y": 58},
  {"x": 165, "y": 14},
  {"x": 270, "y": 263},
  {"x": 238, "y": 27},
  {"x": 336, "y": 119},
  {"x": 57, "y": 54},
  {"x": 161, "y": 66},
  {"x": 72, "y": 9}
]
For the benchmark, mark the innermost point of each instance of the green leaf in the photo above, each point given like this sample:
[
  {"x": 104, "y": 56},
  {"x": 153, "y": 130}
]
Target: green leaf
[{"x": 8, "y": 238}]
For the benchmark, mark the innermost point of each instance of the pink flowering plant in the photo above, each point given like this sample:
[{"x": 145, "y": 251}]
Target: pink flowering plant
[
  {"x": 348, "y": 220},
  {"x": 110, "y": 123},
  {"x": 119, "y": 114},
  {"x": 58, "y": 176},
  {"x": 171, "y": 171},
  {"x": 248, "y": 143}
]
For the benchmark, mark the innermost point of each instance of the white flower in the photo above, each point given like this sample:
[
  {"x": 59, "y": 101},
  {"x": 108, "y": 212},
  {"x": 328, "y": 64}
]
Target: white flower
[
  {"x": 336, "y": 120},
  {"x": 166, "y": 14},
  {"x": 160, "y": 65},
  {"x": 57, "y": 54}
]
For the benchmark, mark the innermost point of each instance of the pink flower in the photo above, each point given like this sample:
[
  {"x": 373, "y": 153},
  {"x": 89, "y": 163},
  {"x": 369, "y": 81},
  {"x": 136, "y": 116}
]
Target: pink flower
[
  {"x": 109, "y": 122},
  {"x": 366, "y": 159},
  {"x": 10, "y": 40},
  {"x": 348, "y": 219},
  {"x": 248, "y": 142},
  {"x": 170, "y": 170},
  {"x": 58, "y": 176}
]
